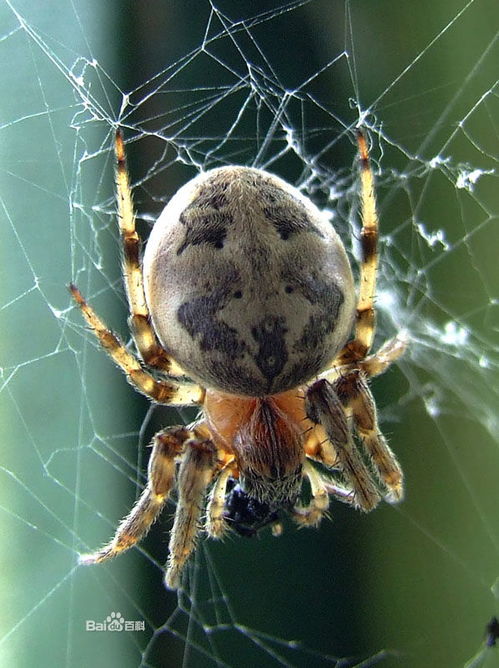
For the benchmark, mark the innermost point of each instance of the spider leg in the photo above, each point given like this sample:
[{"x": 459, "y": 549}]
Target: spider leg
[
  {"x": 354, "y": 391},
  {"x": 324, "y": 407},
  {"x": 340, "y": 492},
  {"x": 311, "y": 514},
  {"x": 319, "y": 448},
  {"x": 195, "y": 473},
  {"x": 372, "y": 365},
  {"x": 390, "y": 351},
  {"x": 140, "y": 323},
  {"x": 365, "y": 319},
  {"x": 322, "y": 488},
  {"x": 163, "y": 392},
  {"x": 215, "y": 521},
  {"x": 167, "y": 445}
]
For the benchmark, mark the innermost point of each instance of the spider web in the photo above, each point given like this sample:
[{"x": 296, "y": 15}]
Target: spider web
[{"x": 279, "y": 85}]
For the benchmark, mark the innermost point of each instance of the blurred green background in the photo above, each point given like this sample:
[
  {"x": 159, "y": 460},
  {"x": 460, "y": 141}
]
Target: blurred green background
[{"x": 409, "y": 586}]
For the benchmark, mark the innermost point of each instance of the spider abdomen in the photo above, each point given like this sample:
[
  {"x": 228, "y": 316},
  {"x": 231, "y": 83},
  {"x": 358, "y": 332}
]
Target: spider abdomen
[{"x": 248, "y": 285}]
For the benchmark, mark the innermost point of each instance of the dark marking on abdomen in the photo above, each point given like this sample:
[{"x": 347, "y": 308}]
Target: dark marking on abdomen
[
  {"x": 211, "y": 195},
  {"x": 204, "y": 228},
  {"x": 286, "y": 213},
  {"x": 272, "y": 352},
  {"x": 327, "y": 298},
  {"x": 285, "y": 222},
  {"x": 199, "y": 317}
]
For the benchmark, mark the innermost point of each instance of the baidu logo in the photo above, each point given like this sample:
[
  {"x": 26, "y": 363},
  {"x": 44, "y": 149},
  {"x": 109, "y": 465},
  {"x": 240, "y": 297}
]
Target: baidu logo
[{"x": 115, "y": 622}]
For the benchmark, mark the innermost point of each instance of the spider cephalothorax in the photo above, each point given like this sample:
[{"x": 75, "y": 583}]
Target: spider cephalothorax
[{"x": 246, "y": 288}]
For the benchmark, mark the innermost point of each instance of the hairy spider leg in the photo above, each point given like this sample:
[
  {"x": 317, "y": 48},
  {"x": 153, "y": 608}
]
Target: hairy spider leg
[
  {"x": 166, "y": 447},
  {"x": 360, "y": 345},
  {"x": 324, "y": 407},
  {"x": 354, "y": 391},
  {"x": 197, "y": 467},
  {"x": 143, "y": 333},
  {"x": 161, "y": 391}
]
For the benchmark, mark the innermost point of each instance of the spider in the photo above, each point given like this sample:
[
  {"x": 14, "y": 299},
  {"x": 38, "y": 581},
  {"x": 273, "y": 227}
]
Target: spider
[{"x": 243, "y": 304}]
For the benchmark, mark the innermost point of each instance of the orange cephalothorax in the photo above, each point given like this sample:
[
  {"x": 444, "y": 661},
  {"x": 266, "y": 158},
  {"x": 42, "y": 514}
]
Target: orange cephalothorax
[{"x": 266, "y": 437}]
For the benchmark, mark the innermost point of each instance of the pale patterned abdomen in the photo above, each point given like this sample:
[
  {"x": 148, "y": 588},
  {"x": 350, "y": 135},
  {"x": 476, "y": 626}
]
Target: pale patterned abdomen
[{"x": 248, "y": 284}]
